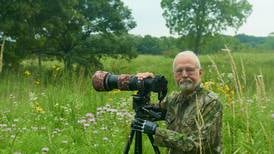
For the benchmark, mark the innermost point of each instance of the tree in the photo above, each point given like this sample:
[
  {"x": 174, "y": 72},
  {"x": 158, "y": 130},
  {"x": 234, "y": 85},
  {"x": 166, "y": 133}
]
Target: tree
[
  {"x": 268, "y": 44},
  {"x": 70, "y": 23},
  {"x": 14, "y": 26},
  {"x": 149, "y": 45},
  {"x": 1, "y": 54},
  {"x": 61, "y": 28},
  {"x": 199, "y": 18},
  {"x": 271, "y": 34}
]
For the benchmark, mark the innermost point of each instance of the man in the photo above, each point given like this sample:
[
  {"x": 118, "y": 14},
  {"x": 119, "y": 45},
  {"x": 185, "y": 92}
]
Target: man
[{"x": 193, "y": 115}]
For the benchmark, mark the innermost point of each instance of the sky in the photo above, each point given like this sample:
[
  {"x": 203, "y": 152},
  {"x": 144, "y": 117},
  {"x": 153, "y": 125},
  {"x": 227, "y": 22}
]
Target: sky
[{"x": 149, "y": 19}]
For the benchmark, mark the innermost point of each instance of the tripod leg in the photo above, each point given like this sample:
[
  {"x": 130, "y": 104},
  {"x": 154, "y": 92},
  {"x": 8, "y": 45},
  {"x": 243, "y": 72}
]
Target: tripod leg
[
  {"x": 156, "y": 149},
  {"x": 129, "y": 141},
  {"x": 138, "y": 143}
]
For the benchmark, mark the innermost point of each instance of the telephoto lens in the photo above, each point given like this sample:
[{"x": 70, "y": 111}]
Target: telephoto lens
[{"x": 105, "y": 81}]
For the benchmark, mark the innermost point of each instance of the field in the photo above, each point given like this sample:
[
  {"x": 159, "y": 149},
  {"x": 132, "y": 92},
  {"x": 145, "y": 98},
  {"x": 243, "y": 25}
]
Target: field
[{"x": 47, "y": 112}]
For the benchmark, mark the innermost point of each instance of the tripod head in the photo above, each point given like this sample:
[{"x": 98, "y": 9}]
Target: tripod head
[{"x": 144, "y": 109}]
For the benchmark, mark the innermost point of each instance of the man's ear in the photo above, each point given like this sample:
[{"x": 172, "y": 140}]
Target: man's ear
[{"x": 201, "y": 72}]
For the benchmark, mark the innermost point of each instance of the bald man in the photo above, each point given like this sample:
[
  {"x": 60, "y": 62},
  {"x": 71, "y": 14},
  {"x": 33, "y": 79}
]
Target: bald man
[{"x": 193, "y": 114}]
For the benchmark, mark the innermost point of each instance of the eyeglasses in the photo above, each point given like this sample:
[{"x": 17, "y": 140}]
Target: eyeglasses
[{"x": 188, "y": 70}]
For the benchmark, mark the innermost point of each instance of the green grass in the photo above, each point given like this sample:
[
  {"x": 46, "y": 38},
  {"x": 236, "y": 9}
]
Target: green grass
[{"x": 64, "y": 114}]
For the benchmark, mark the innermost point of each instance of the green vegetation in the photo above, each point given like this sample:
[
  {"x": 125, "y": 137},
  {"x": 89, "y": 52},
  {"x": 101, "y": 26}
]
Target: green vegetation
[
  {"x": 50, "y": 111},
  {"x": 197, "y": 20},
  {"x": 75, "y": 32}
]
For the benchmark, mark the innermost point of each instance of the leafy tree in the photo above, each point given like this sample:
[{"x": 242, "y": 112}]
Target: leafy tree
[
  {"x": 62, "y": 29},
  {"x": 149, "y": 45},
  {"x": 269, "y": 43},
  {"x": 15, "y": 17},
  {"x": 199, "y": 18}
]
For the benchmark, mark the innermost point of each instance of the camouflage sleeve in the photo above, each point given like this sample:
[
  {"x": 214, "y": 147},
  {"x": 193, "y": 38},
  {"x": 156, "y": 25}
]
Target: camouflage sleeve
[
  {"x": 166, "y": 100},
  {"x": 207, "y": 133}
]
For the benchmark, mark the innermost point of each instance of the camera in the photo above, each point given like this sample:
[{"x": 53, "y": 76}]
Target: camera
[{"x": 105, "y": 81}]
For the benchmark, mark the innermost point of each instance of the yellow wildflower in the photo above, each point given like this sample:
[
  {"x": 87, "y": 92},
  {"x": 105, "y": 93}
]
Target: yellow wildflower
[
  {"x": 37, "y": 108},
  {"x": 37, "y": 82},
  {"x": 27, "y": 73}
]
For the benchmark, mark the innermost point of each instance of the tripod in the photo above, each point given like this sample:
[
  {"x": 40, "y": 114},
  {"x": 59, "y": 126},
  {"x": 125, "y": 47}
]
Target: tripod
[{"x": 139, "y": 101}]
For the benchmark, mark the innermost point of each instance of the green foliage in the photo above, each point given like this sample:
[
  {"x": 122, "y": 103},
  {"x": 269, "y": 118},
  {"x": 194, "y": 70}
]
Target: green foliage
[
  {"x": 197, "y": 19},
  {"x": 63, "y": 114},
  {"x": 170, "y": 46},
  {"x": 66, "y": 115},
  {"x": 218, "y": 42},
  {"x": 268, "y": 44},
  {"x": 60, "y": 29}
]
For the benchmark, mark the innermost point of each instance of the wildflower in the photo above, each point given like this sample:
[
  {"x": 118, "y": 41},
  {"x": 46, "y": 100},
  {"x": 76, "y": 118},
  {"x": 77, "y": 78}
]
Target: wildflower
[
  {"x": 208, "y": 85},
  {"x": 56, "y": 68},
  {"x": 37, "y": 108},
  {"x": 86, "y": 125},
  {"x": 87, "y": 120},
  {"x": 32, "y": 96},
  {"x": 7, "y": 129},
  {"x": 43, "y": 128},
  {"x": 45, "y": 150},
  {"x": 12, "y": 96},
  {"x": 27, "y": 73},
  {"x": 34, "y": 128},
  {"x": 37, "y": 82},
  {"x": 65, "y": 142},
  {"x": 230, "y": 76},
  {"x": 3, "y": 125},
  {"x": 105, "y": 139},
  {"x": 90, "y": 115}
]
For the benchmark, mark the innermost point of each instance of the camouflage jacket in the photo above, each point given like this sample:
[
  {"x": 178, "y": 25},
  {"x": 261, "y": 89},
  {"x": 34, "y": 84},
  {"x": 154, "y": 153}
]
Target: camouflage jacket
[{"x": 193, "y": 123}]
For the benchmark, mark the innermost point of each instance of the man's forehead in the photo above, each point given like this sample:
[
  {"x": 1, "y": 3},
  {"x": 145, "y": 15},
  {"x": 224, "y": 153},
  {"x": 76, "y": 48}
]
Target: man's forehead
[{"x": 187, "y": 59}]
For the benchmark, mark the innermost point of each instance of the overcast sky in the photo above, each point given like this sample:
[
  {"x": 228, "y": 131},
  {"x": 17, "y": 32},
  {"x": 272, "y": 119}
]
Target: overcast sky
[{"x": 148, "y": 15}]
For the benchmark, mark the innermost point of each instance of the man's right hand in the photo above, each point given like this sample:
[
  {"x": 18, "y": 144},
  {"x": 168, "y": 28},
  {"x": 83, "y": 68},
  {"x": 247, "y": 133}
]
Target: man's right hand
[{"x": 144, "y": 75}]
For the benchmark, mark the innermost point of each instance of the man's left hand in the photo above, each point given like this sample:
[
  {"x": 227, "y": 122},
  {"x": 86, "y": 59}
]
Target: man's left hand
[{"x": 144, "y": 126}]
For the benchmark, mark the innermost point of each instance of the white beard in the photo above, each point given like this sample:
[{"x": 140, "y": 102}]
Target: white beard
[{"x": 186, "y": 85}]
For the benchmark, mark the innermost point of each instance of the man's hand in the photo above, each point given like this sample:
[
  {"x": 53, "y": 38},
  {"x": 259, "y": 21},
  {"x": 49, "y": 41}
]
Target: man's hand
[
  {"x": 144, "y": 126},
  {"x": 142, "y": 76}
]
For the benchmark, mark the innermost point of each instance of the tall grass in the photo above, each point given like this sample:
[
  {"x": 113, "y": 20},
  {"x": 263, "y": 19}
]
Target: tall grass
[{"x": 53, "y": 113}]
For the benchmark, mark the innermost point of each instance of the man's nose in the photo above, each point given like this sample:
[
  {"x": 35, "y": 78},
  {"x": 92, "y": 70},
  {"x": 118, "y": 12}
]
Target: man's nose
[{"x": 184, "y": 73}]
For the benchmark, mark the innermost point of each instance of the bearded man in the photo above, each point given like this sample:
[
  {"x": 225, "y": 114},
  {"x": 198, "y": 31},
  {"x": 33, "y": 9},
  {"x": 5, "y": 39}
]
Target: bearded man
[{"x": 193, "y": 114}]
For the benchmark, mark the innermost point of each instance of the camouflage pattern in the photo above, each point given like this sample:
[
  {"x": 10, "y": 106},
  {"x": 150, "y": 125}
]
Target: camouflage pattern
[
  {"x": 100, "y": 77},
  {"x": 98, "y": 80},
  {"x": 193, "y": 123},
  {"x": 123, "y": 81}
]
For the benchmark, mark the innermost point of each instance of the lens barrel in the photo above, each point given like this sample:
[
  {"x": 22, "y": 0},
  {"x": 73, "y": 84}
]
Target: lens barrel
[{"x": 105, "y": 81}]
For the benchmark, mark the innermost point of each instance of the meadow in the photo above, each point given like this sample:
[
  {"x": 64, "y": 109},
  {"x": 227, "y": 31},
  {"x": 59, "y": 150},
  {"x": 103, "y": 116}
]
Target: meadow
[{"x": 49, "y": 112}]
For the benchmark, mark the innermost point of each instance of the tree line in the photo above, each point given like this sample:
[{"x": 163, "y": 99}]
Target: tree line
[
  {"x": 171, "y": 45},
  {"x": 80, "y": 32}
]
